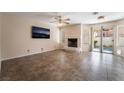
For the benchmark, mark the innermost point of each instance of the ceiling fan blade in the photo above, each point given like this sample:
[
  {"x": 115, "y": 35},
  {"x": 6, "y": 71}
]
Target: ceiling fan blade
[
  {"x": 53, "y": 21},
  {"x": 67, "y": 19},
  {"x": 67, "y": 22},
  {"x": 58, "y": 17},
  {"x": 61, "y": 19}
]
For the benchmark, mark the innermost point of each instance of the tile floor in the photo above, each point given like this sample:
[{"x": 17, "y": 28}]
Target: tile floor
[{"x": 61, "y": 65}]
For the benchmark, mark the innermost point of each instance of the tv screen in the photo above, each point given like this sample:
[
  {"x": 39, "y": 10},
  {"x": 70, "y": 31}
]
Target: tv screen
[{"x": 39, "y": 32}]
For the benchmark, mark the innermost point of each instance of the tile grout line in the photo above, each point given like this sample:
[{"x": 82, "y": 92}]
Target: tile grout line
[{"x": 106, "y": 71}]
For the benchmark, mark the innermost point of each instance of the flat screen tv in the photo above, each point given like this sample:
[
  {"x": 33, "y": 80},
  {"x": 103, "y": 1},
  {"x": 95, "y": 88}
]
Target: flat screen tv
[{"x": 39, "y": 32}]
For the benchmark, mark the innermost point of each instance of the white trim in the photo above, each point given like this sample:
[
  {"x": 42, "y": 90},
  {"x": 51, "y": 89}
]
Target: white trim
[
  {"x": 0, "y": 65},
  {"x": 3, "y": 59},
  {"x": 81, "y": 37},
  {"x": 119, "y": 26},
  {"x": 117, "y": 40}
]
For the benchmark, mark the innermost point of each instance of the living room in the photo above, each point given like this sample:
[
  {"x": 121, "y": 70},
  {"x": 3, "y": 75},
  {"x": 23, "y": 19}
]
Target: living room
[
  {"x": 67, "y": 53},
  {"x": 61, "y": 46}
]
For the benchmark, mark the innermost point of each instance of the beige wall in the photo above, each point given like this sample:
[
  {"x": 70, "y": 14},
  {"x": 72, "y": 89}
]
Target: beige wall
[
  {"x": 0, "y": 40},
  {"x": 16, "y": 37},
  {"x": 72, "y": 31},
  {"x": 120, "y": 23},
  {"x": 85, "y": 38}
]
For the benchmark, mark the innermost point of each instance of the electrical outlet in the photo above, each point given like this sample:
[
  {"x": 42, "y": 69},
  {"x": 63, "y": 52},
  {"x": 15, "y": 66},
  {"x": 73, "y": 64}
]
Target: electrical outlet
[
  {"x": 41, "y": 49},
  {"x": 28, "y": 50}
]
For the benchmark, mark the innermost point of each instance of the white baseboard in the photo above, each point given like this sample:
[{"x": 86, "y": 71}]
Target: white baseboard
[
  {"x": 3, "y": 59},
  {"x": 0, "y": 65}
]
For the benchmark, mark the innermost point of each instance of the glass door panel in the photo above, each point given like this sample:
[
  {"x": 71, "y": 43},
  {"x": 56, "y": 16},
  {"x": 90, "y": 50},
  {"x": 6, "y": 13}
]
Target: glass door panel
[
  {"x": 96, "y": 40},
  {"x": 107, "y": 41}
]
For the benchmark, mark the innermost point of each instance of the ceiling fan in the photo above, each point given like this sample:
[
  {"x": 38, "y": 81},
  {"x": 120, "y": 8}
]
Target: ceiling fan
[{"x": 60, "y": 19}]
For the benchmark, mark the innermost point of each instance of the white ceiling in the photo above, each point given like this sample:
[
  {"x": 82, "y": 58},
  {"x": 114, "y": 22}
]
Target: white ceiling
[
  {"x": 89, "y": 18},
  {"x": 76, "y": 17}
]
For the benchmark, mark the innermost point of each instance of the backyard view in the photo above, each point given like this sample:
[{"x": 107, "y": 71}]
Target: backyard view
[
  {"x": 104, "y": 44},
  {"x": 97, "y": 39}
]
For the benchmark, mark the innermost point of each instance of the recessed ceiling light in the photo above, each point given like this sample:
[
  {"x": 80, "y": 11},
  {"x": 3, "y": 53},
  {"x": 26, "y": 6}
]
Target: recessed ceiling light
[{"x": 95, "y": 13}]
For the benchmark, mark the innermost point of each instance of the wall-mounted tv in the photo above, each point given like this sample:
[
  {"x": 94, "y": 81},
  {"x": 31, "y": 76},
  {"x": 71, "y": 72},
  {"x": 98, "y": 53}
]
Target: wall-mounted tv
[{"x": 39, "y": 32}]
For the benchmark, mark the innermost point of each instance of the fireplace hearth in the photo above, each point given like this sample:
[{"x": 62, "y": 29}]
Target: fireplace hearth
[{"x": 72, "y": 42}]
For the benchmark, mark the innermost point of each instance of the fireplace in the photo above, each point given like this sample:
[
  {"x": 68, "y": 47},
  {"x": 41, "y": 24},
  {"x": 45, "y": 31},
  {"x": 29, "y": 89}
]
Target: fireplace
[{"x": 72, "y": 42}]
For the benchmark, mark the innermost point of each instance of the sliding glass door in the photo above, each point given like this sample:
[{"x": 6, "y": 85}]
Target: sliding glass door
[
  {"x": 102, "y": 40},
  {"x": 107, "y": 41},
  {"x": 97, "y": 40}
]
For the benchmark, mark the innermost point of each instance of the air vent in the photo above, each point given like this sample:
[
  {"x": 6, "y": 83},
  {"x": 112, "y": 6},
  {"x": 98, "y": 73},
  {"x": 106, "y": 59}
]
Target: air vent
[{"x": 118, "y": 51}]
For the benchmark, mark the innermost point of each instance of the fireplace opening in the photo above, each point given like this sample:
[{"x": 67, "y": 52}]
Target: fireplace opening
[{"x": 72, "y": 42}]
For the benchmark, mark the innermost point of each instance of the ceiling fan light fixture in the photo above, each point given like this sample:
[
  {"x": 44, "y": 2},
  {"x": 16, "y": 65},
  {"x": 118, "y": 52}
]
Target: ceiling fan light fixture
[
  {"x": 60, "y": 20},
  {"x": 60, "y": 24},
  {"x": 101, "y": 17}
]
